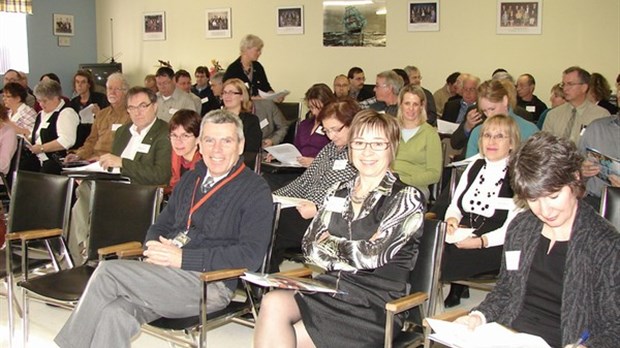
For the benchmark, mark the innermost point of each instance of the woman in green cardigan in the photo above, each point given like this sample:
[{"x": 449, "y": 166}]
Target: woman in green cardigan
[{"x": 418, "y": 160}]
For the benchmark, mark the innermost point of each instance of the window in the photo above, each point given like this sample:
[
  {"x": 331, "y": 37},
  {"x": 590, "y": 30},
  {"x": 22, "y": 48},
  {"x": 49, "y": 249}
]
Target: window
[{"x": 13, "y": 42}]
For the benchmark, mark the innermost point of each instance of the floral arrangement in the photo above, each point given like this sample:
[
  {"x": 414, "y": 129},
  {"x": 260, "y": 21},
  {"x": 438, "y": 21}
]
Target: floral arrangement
[{"x": 216, "y": 67}]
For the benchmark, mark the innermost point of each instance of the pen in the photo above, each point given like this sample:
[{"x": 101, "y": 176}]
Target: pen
[{"x": 584, "y": 337}]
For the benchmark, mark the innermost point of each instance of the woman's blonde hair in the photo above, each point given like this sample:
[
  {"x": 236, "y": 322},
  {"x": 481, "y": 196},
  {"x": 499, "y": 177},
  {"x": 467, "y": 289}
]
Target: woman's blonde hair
[
  {"x": 250, "y": 41},
  {"x": 415, "y": 90},
  {"x": 246, "y": 103},
  {"x": 496, "y": 90},
  {"x": 505, "y": 124}
]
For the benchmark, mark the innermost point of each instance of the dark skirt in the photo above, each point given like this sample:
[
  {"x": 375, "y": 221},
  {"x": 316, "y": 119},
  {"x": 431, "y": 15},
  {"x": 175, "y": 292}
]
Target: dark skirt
[
  {"x": 355, "y": 319},
  {"x": 459, "y": 264}
]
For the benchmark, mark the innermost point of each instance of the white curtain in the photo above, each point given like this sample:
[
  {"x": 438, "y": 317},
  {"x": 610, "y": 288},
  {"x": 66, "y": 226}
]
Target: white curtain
[{"x": 13, "y": 42}]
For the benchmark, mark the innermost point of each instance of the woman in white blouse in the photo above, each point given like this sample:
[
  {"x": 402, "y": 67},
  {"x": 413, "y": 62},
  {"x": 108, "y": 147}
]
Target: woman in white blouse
[{"x": 482, "y": 201}]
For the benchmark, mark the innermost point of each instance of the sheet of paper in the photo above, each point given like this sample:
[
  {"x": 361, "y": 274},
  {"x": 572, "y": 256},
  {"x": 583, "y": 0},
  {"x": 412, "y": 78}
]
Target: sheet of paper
[
  {"x": 288, "y": 202},
  {"x": 485, "y": 336},
  {"x": 465, "y": 162},
  {"x": 285, "y": 153},
  {"x": 93, "y": 167},
  {"x": 284, "y": 282},
  {"x": 274, "y": 95},
  {"x": 87, "y": 115},
  {"x": 445, "y": 127},
  {"x": 458, "y": 235}
]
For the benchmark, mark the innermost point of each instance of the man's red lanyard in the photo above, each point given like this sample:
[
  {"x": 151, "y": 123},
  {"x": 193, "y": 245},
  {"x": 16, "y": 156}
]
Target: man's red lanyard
[{"x": 210, "y": 193}]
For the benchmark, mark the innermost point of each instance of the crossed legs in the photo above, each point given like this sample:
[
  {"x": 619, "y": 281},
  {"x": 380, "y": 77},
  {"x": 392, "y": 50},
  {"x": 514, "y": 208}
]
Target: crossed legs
[{"x": 279, "y": 322}]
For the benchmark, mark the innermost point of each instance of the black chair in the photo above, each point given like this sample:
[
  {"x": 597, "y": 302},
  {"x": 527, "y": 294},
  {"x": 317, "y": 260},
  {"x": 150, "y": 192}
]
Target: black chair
[
  {"x": 38, "y": 215},
  {"x": 195, "y": 328},
  {"x": 610, "y": 205},
  {"x": 291, "y": 112},
  {"x": 121, "y": 214},
  {"x": 424, "y": 293}
]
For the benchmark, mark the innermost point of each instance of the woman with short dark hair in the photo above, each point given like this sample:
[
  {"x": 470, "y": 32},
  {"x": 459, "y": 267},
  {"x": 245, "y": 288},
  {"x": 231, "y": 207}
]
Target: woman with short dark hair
[
  {"x": 561, "y": 268},
  {"x": 184, "y": 130},
  {"x": 21, "y": 116}
]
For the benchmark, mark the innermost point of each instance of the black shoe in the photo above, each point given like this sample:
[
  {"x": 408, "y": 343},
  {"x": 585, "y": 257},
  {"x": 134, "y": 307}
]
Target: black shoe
[{"x": 457, "y": 292}]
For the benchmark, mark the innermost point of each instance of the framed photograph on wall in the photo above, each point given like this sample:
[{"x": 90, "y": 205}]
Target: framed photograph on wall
[
  {"x": 218, "y": 23},
  {"x": 290, "y": 20},
  {"x": 519, "y": 17},
  {"x": 423, "y": 15},
  {"x": 358, "y": 24},
  {"x": 63, "y": 25},
  {"x": 154, "y": 26}
]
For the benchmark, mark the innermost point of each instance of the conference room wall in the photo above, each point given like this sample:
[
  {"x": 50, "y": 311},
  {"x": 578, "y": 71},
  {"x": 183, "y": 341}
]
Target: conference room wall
[{"x": 574, "y": 32}]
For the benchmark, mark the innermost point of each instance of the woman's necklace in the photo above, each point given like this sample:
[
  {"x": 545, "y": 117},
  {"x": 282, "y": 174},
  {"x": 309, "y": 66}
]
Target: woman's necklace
[{"x": 355, "y": 197}]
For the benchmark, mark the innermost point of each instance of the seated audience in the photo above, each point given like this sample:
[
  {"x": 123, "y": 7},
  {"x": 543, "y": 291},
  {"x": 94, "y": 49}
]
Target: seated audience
[
  {"x": 602, "y": 135},
  {"x": 237, "y": 100},
  {"x": 203, "y": 90},
  {"x": 497, "y": 97},
  {"x": 141, "y": 151},
  {"x": 108, "y": 120},
  {"x": 84, "y": 87},
  {"x": 151, "y": 83},
  {"x": 599, "y": 93},
  {"x": 367, "y": 243},
  {"x": 217, "y": 83},
  {"x": 561, "y": 269},
  {"x": 448, "y": 90},
  {"x": 54, "y": 130},
  {"x": 341, "y": 86},
  {"x": 556, "y": 99},
  {"x": 569, "y": 120},
  {"x": 271, "y": 120},
  {"x": 418, "y": 159},
  {"x": 184, "y": 129},
  {"x": 357, "y": 90},
  {"x": 8, "y": 142},
  {"x": 526, "y": 98},
  {"x": 330, "y": 166},
  {"x": 247, "y": 68},
  {"x": 21, "y": 116},
  {"x": 456, "y": 109},
  {"x": 47, "y": 77},
  {"x": 310, "y": 137},
  {"x": 183, "y": 81},
  {"x": 169, "y": 98},
  {"x": 230, "y": 229},
  {"x": 14, "y": 76},
  {"x": 415, "y": 78},
  {"x": 483, "y": 201}
]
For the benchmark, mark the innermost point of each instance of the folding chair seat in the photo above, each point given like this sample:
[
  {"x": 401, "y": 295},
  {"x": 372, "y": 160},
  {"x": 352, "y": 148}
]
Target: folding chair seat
[
  {"x": 195, "y": 328},
  {"x": 121, "y": 215},
  {"x": 424, "y": 293}
]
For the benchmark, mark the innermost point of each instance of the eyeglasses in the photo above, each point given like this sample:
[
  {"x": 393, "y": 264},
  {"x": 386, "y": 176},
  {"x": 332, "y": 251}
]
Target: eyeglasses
[
  {"x": 183, "y": 137},
  {"x": 332, "y": 131},
  {"x": 498, "y": 136},
  {"x": 570, "y": 84},
  {"x": 231, "y": 93},
  {"x": 140, "y": 107},
  {"x": 374, "y": 145},
  {"x": 381, "y": 85},
  {"x": 115, "y": 90}
]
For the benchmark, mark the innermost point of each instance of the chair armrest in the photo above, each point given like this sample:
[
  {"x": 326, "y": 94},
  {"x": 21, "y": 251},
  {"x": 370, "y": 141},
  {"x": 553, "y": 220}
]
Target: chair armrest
[
  {"x": 34, "y": 234},
  {"x": 406, "y": 302},
  {"x": 303, "y": 272},
  {"x": 222, "y": 274},
  {"x": 130, "y": 253},
  {"x": 117, "y": 248},
  {"x": 430, "y": 215}
]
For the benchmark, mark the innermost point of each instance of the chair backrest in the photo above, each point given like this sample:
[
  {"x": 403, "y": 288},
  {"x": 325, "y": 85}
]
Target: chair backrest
[
  {"x": 121, "y": 213},
  {"x": 274, "y": 228},
  {"x": 291, "y": 112},
  {"x": 426, "y": 273},
  {"x": 610, "y": 205},
  {"x": 39, "y": 201}
]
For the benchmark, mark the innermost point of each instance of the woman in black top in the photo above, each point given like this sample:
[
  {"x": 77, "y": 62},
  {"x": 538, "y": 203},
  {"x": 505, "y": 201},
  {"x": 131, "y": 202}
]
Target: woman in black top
[{"x": 237, "y": 100}]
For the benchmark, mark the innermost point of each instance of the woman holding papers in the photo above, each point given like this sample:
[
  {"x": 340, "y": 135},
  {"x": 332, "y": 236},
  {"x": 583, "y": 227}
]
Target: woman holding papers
[
  {"x": 310, "y": 138},
  {"x": 482, "y": 202},
  {"x": 184, "y": 130},
  {"x": 561, "y": 270},
  {"x": 366, "y": 237},
  {"x": 21, "y": 116},
  {"x": 419, "y": 157},
  {"x": 330, "y": 166},
  {"x": 237, "y": 100}
]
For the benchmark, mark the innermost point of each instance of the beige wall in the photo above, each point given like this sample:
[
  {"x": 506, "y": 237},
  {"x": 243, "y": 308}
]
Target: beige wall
[{"x": 575, "y": 32}]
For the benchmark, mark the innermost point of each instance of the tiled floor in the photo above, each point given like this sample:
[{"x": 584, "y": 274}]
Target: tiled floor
[{"x": 46, "y": 321}]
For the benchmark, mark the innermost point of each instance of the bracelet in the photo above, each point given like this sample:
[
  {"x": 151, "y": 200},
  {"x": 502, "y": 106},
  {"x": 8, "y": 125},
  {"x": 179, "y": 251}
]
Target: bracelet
[{"x": 42, "y": 149}]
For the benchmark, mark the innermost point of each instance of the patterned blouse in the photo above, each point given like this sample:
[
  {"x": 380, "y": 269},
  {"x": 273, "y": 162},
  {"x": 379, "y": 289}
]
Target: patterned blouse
[
  {"x": 330, "y": 166},
  {"x": 389, "y": 217},
  {"x": 24, "y": 117}
]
